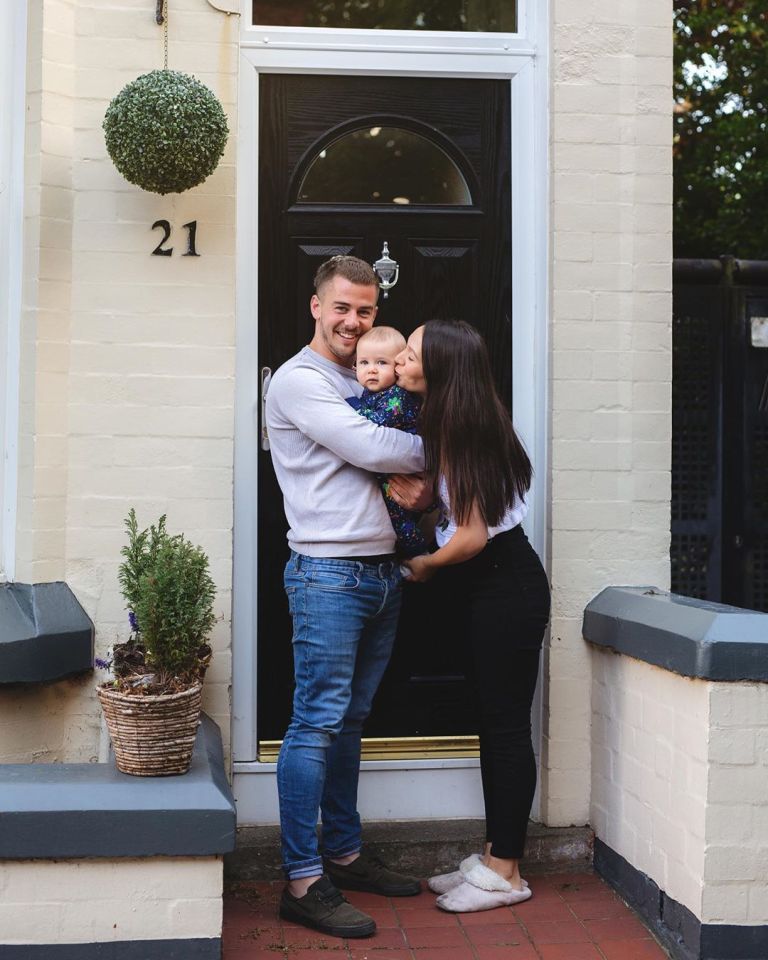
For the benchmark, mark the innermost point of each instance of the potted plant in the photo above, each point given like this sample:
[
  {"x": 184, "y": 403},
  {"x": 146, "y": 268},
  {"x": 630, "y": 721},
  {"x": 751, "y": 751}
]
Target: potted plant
[{"x": 152, "y": 703}]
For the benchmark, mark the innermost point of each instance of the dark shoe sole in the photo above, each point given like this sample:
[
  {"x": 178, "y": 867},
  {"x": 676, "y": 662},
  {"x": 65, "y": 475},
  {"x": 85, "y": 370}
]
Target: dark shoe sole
[
  {"x": 349, "y": 933},
  {"x": 349, "y": 883}
]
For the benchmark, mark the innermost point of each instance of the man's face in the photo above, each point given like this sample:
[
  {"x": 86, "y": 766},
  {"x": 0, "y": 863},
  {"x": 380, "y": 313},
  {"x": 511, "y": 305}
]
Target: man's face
[{"x": 343, "y": 312}]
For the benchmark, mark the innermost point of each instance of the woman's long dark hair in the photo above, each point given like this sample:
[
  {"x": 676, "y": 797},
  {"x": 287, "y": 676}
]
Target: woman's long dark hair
[{"x": 468, "y": 435}]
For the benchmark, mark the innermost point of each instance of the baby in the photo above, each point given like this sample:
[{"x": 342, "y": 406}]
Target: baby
[{"x": 383, "y": 402}]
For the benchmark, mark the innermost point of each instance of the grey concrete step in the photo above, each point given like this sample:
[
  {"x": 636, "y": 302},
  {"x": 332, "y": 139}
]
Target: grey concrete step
[{"x": 420, "y": 848}]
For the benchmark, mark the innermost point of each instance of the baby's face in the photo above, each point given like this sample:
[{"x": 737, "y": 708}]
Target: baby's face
[{"x": 375, "y": 366}]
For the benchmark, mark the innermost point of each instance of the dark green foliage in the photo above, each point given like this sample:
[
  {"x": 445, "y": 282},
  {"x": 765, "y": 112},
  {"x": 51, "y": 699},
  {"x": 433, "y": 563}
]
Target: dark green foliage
[
  {"x": 140, "y": 556},
  {"x": 166, "y": 585},
  {"x": 165, "y": 131},
  {"x": 721, "y": 138}
]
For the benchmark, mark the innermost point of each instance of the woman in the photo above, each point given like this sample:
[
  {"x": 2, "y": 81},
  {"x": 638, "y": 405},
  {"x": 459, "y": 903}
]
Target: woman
[{"x": 482, "y": 474}]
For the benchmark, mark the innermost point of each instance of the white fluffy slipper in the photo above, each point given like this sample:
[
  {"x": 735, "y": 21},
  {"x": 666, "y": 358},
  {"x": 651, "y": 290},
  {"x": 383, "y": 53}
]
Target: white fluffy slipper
[
  {"x": 482, "y": 889},
  {"x": 444, "y": 882}
]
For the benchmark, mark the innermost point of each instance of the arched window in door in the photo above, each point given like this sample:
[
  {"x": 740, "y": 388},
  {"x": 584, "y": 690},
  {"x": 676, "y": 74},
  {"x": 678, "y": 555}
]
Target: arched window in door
[{"x": 384, "y": 165}]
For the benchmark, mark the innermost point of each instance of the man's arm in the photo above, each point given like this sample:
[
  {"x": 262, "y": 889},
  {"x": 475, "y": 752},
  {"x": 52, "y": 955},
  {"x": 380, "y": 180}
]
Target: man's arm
[{"x": 312, "y": 404}]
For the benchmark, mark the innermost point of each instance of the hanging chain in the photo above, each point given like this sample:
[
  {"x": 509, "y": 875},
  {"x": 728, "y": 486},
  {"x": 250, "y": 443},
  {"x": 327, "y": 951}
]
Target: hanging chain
[{"x": 165, "y": 34}]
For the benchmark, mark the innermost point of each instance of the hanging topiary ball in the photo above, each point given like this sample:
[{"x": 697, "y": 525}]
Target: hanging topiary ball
[{"x": 165, "y": 131}]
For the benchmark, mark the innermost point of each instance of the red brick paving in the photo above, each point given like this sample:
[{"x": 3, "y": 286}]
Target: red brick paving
[{"x": 569, "y": 917}]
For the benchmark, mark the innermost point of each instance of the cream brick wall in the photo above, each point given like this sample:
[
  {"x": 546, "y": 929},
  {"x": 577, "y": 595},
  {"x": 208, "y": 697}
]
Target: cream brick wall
[
  {"x": 679, "y": 779},
  {"x": 49, "y": 723},
  {"x": 128, "y": 359},
  {"x": 611, "y": 345},
  {"x": 102, "y": 901},
  {"x": 736, "y": 867},
  {"x": 649, "y": 771}
]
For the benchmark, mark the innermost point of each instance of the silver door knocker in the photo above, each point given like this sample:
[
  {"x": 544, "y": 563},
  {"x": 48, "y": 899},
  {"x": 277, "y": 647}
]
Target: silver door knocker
[{"x": 387, "y": 270}]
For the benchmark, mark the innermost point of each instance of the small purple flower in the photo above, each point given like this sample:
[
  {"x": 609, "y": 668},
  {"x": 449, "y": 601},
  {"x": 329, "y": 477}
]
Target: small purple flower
[
  {"x": 102, "y": 664},
  {"x": 132, "y": 621}
]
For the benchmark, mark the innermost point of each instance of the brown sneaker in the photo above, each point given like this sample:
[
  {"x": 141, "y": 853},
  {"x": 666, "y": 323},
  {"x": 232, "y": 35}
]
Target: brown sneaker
[
  {"x": 369, "y": 874},
  {"x": 325, "y": 909}
]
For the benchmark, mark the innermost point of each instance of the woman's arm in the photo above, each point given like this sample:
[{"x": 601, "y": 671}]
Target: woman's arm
[{"x": 467, "y": 542}]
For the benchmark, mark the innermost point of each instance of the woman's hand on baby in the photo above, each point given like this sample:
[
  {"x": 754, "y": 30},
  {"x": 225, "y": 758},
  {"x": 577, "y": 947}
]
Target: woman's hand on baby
[
  {"x": 420, "y": 569},
  {"x": 410, "y": 491}
]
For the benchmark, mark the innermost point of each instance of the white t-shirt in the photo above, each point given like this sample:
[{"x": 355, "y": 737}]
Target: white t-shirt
[{"x": 446, "y": 524}]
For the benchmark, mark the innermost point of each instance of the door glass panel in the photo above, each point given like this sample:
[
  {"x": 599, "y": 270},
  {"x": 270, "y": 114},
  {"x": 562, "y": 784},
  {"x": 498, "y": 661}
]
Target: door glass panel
[
  {"x": 459, "y": 16},
  {"x": 384, "y": 165}
]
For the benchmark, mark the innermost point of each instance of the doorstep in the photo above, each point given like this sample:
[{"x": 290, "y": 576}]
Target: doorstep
[{"x": 419, "y": 847}]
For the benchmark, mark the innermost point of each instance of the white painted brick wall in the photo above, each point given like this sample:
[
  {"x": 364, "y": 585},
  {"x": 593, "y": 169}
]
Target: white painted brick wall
[
  {"x": 128, "y": 359},
  {"x": 679, "y": 782},
  {"x": 736, "y": 869},
  {"x": 649, "y": 771},
  {"x": 102, "y": 901},
  {"x": 611, "y": 345}
]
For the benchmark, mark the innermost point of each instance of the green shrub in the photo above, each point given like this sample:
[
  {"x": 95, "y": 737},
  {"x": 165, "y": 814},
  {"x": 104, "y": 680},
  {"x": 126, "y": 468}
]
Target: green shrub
[
  {"x": 169, "y": 594},
  {"x": 165, "y": 131}
]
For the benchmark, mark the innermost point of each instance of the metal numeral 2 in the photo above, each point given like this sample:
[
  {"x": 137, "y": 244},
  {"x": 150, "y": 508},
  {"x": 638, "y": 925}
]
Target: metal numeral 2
[{"x": 191, "y": 229}]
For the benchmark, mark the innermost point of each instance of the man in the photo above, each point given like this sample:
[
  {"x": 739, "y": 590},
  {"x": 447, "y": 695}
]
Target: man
[{"x": 343, "y": 586}]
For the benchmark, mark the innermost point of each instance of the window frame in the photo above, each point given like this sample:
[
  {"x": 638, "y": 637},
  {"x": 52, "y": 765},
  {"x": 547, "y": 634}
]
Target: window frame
[{"x": 352, "y": 39}]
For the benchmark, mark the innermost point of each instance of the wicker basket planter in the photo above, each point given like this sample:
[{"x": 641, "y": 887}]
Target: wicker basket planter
[{"x": 152, "y": 736}]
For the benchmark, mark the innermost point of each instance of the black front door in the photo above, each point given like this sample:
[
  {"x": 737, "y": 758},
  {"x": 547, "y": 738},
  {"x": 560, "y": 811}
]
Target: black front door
[{"x": 346, "y": 164}]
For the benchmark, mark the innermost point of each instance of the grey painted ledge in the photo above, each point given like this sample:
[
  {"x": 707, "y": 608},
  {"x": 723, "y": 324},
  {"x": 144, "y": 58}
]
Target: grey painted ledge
[
  {"x": 695, "y": 638},
  {"x": 45, "y": 634},
  {"x": 69, "y": 810}
]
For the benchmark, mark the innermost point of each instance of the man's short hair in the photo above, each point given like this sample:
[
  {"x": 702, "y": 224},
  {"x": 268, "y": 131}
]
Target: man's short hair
[
  {"x": 351, "y": 268},
  {"x": 385, "y": 336}
]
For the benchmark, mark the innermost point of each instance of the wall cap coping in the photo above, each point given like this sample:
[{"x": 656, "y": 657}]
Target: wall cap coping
[
  {"x": 45, "y": 634},
  {"x": 72, "y": 810},
  {"x": 695, "y": 638}
]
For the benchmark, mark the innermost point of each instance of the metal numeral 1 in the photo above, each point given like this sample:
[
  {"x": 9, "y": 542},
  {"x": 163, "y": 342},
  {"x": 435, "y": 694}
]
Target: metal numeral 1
[{"x": 191, "y": 229}]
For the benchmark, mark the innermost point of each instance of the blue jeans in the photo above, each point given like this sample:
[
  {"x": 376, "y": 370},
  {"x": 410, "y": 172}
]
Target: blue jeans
[{"x": 344, "y": 621}]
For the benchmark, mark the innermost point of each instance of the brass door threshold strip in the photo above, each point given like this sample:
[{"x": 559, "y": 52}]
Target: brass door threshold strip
[{"x": 397, "y": 748}]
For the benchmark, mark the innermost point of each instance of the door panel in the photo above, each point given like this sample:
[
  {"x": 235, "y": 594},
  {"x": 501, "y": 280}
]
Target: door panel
[{"x": 454, "y": 262}]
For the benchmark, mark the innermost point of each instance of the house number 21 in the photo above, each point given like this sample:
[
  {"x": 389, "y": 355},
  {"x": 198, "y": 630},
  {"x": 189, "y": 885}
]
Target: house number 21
[{"x": 191, "y": 228}]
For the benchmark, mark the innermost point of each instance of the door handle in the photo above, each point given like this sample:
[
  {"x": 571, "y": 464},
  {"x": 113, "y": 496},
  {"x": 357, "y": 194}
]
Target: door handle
[{"x": 266, "y": 377}]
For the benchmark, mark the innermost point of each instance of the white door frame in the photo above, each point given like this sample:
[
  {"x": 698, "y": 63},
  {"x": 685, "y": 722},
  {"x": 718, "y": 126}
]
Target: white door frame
[
  {"x": 521, "y": 59},
  {"x": 13, "y": 67}
]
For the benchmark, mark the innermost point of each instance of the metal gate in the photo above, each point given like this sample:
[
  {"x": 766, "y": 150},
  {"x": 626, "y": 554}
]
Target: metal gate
[{"x": 719, "y": 545}]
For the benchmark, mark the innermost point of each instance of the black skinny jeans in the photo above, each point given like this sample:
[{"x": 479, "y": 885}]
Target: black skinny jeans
[{"x": 506, "y": 604}]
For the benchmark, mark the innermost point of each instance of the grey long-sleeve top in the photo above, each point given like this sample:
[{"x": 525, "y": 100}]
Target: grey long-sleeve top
[{"x": 326, "y": 456}]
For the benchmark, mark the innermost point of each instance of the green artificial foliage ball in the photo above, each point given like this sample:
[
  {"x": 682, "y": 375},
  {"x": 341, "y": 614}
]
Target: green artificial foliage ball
[{"x": 165, "y": 131}]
